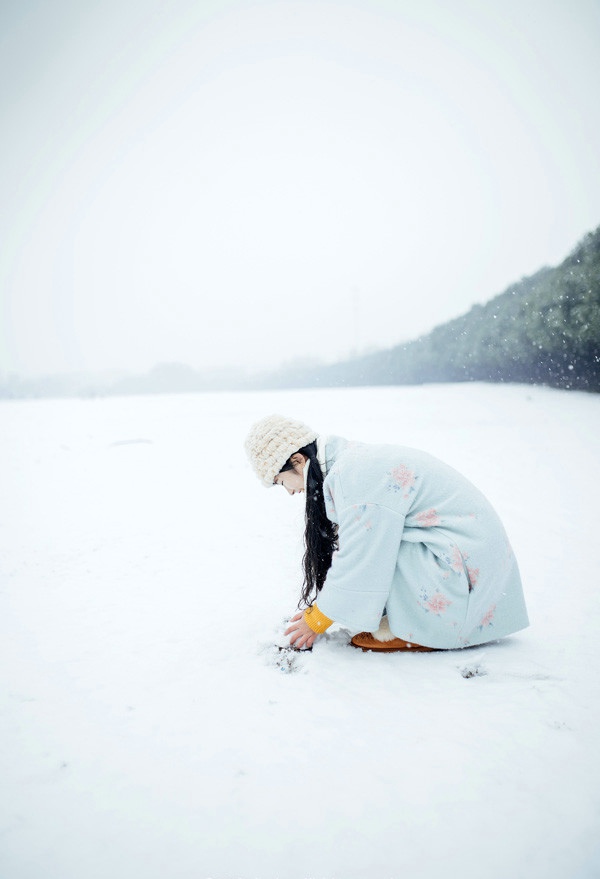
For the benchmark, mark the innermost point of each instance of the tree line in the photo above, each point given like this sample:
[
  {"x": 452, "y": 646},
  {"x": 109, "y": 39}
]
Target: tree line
[{"x": 545, "y": 329}]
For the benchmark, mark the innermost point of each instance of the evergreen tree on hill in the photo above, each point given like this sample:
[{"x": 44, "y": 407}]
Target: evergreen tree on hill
[{"x": 545, "y": 329}]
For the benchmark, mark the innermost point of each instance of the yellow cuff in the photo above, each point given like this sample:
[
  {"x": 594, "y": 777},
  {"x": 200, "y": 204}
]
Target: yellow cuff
[{"x": 316, "y": 620}]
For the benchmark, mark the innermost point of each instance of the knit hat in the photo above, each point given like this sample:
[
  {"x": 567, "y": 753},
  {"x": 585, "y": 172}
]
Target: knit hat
[{"x": 271, "y": 441}]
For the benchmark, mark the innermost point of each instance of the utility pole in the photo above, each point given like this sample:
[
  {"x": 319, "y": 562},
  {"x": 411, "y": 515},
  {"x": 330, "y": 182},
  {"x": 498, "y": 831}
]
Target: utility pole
[{"x": 355, "y": 298}]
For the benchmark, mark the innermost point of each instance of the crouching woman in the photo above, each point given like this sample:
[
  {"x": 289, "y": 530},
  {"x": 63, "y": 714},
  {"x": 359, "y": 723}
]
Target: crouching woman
[{"x": 399, "y": 546}]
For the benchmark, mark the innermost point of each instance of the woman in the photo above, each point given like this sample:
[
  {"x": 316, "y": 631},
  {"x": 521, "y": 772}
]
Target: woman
[{"x": 398, "y": 544}]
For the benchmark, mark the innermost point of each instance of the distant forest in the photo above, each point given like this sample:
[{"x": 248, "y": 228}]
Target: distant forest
[{"x": 545, "y": 329}]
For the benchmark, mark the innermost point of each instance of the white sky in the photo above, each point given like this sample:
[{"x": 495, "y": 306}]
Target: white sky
[{"x": 245, "y": 183}]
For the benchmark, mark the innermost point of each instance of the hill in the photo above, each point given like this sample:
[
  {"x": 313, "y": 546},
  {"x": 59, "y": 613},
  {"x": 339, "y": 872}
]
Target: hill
[{"x": 544, "y": 329}]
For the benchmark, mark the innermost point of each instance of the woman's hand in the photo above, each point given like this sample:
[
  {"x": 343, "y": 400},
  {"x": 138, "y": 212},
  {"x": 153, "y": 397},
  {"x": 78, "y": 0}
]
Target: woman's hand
[{"x": 301, "y": 635}]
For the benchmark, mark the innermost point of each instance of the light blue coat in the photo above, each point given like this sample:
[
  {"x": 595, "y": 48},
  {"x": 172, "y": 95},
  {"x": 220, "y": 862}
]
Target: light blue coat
[{"x": 418, "y": 540}]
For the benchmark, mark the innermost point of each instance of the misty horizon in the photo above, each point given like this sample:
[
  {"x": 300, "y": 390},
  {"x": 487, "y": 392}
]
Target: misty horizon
[{"x": 242, "y": 185}]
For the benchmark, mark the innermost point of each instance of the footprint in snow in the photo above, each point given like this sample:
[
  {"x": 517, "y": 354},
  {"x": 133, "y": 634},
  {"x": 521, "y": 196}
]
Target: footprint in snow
[
  {"x": 473, "y": 670},
  {"x": 284, "y": 657}
]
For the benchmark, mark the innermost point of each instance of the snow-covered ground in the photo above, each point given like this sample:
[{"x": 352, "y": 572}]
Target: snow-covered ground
[{"x": 151, "y": 728}]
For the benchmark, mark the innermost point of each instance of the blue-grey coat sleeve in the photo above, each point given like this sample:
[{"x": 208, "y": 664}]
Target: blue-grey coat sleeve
[{"x": 359, "y": 580}]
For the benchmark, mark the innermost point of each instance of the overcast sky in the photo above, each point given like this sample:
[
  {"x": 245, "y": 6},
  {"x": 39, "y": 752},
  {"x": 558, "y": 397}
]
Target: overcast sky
[{"x": 246, "y": 183}]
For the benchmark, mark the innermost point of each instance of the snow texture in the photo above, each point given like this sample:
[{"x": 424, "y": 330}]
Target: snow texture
[{"x": 154, "y": 721}]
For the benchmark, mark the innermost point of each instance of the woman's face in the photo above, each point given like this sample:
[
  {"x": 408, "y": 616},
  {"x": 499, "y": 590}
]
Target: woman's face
[{"x": 293, "y": 480}]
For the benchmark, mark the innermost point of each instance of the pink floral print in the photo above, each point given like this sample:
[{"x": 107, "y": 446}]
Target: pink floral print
[
  {"x": 488, "y": 618},
  {"x": 428, "y": 518},
  {"x": 436, "y": 603},
  {"x": 473, "y": 577},
  {"x": 456, "y": 560},
  {"x": 402, "y": 479}
]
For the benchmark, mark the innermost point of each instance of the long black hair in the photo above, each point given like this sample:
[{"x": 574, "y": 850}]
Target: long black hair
[{"x": 320, "y": 534}]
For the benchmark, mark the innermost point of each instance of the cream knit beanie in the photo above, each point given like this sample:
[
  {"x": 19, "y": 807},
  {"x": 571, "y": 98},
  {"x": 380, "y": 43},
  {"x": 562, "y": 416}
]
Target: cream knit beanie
[{"x": 271, "y": 441}]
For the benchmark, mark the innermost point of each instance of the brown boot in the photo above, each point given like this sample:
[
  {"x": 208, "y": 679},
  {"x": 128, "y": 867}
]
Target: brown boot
[{"x": 366, "y": 641}]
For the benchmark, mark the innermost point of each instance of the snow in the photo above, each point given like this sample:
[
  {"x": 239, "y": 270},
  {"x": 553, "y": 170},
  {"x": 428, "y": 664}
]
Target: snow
[{"x": 151, "y": 727}]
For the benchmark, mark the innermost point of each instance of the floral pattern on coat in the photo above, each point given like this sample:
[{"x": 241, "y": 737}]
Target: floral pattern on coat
[
  {"x": 473, "y": 576},
  {"x": 428, "y": 518},
  {"x": 437, "y": 603},
  {"x": 456, "y": 559},
  {"x": 488, "y": 618},
  {"x": 419, "y": 543},
  {"x": 401, "y": 479}
]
